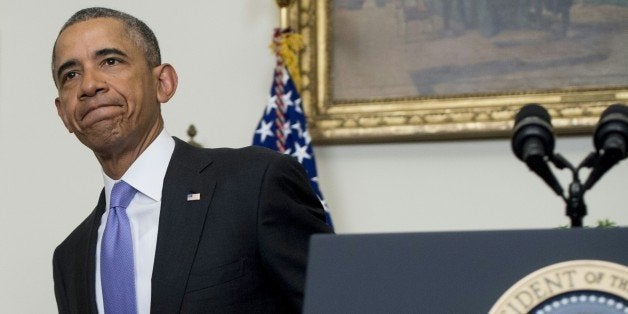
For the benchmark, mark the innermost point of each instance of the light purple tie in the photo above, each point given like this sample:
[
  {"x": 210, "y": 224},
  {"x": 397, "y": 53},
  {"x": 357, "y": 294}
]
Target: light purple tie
[{"x": 117, "y": 272}]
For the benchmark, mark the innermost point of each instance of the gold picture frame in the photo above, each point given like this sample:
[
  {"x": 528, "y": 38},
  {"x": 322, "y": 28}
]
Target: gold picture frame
[{"x": 440, "y": 117}]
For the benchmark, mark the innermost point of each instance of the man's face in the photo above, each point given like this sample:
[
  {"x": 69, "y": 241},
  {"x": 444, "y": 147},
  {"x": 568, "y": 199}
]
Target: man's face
[{"x": 107, "y": 92}]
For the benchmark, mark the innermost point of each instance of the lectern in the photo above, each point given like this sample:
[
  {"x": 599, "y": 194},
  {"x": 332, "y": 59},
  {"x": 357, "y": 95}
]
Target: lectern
[{"x": 519, "y": 271}]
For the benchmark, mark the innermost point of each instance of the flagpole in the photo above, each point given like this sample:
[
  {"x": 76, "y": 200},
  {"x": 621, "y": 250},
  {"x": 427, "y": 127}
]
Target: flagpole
[{"x": 284, "y": 5}]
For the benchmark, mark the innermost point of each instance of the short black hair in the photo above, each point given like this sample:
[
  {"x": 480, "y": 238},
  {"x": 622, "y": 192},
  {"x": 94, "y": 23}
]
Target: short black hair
[{"x": 138, "y": 30}]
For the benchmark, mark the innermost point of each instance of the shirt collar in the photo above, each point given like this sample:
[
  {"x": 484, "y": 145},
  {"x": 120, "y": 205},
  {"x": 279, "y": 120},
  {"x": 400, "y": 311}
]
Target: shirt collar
[{"x": 147, "y": 172}]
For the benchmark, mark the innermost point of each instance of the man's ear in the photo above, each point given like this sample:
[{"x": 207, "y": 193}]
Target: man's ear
[
  {"x": 62, "y": 115},
  {"x": 167, "y": 81}
]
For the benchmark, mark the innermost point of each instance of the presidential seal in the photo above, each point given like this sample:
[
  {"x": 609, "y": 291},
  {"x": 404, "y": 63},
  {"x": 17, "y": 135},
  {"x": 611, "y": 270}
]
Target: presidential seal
[{"x": 580, "y": 286}]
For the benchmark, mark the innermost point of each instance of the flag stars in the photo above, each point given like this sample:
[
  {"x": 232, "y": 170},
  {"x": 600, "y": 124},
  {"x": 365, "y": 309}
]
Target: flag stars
[
  {"x": 272, "y": 104},
  {"x": 286, "y": 129},
  {"x": 297, "y": 127},
  {"x": 287, "y": 100},
  {"x": 264, "y": 130},
  {"x": 300, "y": 152},
  {"x": 306, "y": 136}
]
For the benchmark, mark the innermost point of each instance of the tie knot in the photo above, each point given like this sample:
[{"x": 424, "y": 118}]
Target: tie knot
[{"x": 121, "y": 194}]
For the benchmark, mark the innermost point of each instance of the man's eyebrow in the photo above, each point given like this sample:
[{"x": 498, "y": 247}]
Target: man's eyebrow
[{"x": 110, "y": 51}]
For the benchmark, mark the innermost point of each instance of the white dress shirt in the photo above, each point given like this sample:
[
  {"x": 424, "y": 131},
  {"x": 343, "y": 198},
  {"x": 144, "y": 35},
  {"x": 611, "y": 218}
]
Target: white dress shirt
[{"x": 146, "y": 175}]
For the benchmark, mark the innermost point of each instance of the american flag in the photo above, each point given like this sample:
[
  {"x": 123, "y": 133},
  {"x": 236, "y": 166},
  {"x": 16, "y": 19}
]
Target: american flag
[{"x": 283, "y": 127}]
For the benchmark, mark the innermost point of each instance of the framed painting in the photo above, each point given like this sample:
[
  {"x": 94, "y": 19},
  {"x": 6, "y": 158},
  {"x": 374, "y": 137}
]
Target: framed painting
[{"x": 403, "y": 70}]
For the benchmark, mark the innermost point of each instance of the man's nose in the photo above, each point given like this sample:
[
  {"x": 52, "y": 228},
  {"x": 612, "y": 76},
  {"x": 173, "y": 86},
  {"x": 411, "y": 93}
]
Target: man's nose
[{"x": 92, "y": 83}]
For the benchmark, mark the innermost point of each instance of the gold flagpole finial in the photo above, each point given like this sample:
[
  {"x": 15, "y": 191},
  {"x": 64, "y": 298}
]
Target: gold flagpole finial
[{"x": 283, "y": 12}]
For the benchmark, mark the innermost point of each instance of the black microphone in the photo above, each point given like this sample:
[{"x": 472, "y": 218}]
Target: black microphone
[
  {"x": 533, "y": 142},
  {"x": 609, "y": 139}
]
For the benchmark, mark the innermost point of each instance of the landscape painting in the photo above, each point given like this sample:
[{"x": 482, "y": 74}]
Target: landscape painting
[
  {"x": 408, "y": 48},
  {"x": 405, "y": 70}
]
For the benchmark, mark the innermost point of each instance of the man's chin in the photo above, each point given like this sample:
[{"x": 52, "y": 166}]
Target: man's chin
[{"x": 103, "y": 140}]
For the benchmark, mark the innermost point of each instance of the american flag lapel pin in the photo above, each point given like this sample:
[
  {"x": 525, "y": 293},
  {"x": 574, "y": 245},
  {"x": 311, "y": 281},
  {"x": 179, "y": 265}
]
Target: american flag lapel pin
[{"x": 194, "y": 197}]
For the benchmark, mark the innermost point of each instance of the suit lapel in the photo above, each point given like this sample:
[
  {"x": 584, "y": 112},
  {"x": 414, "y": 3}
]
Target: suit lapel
[
  {"x": 181, "y": 223},
  {"x": 89, "y": 291}
]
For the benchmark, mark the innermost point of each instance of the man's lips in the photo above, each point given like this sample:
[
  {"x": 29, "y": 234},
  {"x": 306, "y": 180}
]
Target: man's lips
[{"x": 98, "y": 111}]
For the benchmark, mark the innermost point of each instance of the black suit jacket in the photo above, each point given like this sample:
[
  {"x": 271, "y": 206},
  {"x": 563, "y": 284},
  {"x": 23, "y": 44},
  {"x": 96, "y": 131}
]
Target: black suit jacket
[{"x": 242, "y": 248}]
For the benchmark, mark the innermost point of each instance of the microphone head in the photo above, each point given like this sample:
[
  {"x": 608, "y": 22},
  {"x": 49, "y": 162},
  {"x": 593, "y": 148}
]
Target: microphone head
[
  {"x": 615, "y": 108},
  {"x": 532, "y": 125},
  {"x": 611, "y": 132},
  {"x": 532, "y": 110}
]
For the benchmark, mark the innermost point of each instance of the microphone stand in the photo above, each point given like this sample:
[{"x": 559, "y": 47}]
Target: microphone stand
[{"x": 576, "y": 208}]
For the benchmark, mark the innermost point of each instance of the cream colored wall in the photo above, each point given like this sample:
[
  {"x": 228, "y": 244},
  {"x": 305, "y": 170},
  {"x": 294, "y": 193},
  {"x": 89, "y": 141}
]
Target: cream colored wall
[{"x": 49, "y": 182}]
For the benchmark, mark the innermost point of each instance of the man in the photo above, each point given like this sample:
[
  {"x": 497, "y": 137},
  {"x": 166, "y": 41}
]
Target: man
[{"x": 176, "y": 228}]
